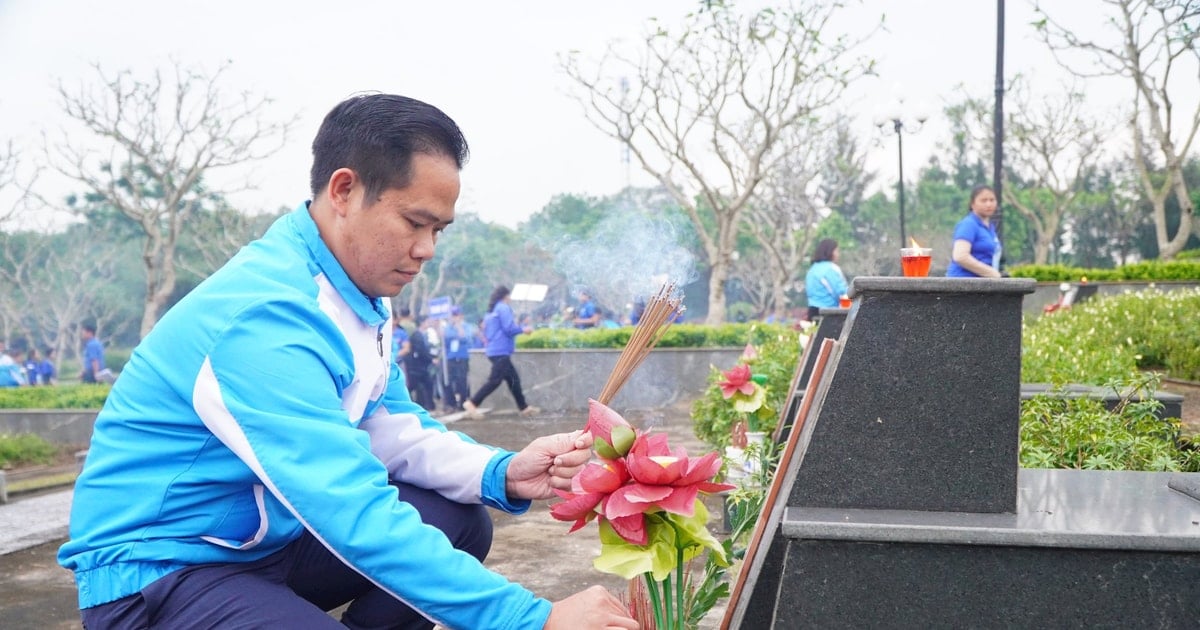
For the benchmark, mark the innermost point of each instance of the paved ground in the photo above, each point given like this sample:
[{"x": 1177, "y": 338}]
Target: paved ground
[
  {"x": 35, "y": 593},
  {"x": 532, "y": 549}
]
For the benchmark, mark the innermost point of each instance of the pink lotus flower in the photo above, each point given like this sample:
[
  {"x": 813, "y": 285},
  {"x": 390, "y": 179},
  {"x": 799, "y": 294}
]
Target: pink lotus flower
[
  {"x": 601, "y": 420},
  {"x": 589, "y": 488},
  {"x": 646, "y": 477},
  {"x": 662, "y": 480},
  {"x": 737, "y": 380}
]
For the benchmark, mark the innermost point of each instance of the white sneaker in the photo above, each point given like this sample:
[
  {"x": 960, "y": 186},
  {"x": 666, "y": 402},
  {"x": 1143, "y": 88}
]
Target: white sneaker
[
  {"x": 530, "y": 411},
  {"x": 471, "y": 410}
]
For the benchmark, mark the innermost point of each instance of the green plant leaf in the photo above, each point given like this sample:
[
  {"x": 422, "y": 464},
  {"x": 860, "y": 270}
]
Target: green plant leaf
[{"x": 620, "y": 557}]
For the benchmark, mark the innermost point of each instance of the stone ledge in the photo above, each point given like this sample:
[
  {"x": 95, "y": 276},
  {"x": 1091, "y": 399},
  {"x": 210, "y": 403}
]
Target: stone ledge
[{"x": 1081, "y": 509}]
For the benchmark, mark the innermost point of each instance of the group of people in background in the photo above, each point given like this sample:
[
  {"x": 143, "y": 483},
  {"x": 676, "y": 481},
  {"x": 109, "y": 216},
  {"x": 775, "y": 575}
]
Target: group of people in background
[
  {"x": 42, "y": 368},
  {"x": 33, "y": 370},
  {"x": 435, "y": 356}
]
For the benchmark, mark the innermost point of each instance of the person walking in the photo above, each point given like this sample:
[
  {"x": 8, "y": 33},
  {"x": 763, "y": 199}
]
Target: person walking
[
  {"x": 457, "y": 337},
  {"x": 500, "y": 329},
  {"x": 94, "y": 369}
]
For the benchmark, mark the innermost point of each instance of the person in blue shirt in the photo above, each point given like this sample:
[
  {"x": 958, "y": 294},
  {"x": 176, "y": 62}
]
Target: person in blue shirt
[
  {"x": 500, "y": 330},
  {"x": 457, "y": 338},
  {"x": 586, "y": 316},
  {"x": 824, "y": 283},
  {"x": 260, "y": 462},
  {"x": 976, "y": 249},
  {"x": 93, "y": 355},
  {"x": 47, "y": 373}
]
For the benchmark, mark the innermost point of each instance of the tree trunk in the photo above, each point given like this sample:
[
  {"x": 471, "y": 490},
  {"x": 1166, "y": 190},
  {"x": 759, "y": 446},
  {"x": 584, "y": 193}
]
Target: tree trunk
[{"x": 716, "y": 293}]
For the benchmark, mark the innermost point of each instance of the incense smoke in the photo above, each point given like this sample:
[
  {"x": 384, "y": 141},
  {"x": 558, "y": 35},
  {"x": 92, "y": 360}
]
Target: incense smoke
[{"x": 629, "y": 255}]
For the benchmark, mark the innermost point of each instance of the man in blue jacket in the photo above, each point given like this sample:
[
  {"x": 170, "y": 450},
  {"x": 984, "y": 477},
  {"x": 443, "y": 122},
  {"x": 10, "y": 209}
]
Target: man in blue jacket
[{"x": 260, "y": 462}]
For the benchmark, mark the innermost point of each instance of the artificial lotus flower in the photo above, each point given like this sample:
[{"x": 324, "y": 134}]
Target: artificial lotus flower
[
  {"x": 612, "y": 434},
  {"x": 750, "y": 353},
  {"x": 737, "y": 380},
  {"x": 661, "y": 480},
  {"x": 589, "y": 488},
  {"x": 647, "y": 477},
  {"x": 645, "y": 498}
]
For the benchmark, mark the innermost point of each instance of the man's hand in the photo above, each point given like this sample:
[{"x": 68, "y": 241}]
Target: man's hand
[
  {"x": 547, "y": 463},
  {"x": 593, "y": 608}
]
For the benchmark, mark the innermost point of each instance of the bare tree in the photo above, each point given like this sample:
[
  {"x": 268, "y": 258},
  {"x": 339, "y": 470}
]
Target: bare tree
[
  {"x": 16, "y": 188},
  {"x": 1052, "y": 145},
  {"x": 1156, "y": 48},
  {"x": 784, "y": 218},
  {"x": 706, "y": 108},
  {"x": 53, "y": 282},
  {"x": 160, "y": 136},
  {"x": 217, "y": 234}
]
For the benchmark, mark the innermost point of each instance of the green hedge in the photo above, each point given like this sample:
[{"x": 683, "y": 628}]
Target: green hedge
[
  {"x": 24, "y": 449},
  {"x": 1149, "y": 271},
  {"x": 676, "y": 336},
  {"x": 1113, "y": 337},
  {"x": 78, "y": 396}
]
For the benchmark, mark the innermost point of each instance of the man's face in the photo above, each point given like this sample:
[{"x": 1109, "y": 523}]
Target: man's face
[{"x": 388, "y": 239}]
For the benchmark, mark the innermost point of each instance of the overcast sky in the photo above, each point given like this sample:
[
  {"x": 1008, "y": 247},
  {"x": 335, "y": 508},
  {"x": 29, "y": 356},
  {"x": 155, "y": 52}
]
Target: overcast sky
[{"x": 491, "y": 65}]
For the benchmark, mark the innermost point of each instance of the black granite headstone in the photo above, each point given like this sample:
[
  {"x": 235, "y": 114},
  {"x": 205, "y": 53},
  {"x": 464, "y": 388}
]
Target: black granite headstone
[{"x": 923, "y": 409}]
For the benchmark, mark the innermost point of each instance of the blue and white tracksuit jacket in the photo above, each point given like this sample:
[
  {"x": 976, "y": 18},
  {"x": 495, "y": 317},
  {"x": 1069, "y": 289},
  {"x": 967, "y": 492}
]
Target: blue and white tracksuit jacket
[{"x": 264, "y": 404}]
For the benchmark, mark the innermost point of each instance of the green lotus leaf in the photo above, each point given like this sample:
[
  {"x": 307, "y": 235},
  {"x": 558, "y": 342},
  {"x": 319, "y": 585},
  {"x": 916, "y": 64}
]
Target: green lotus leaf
[
  {"x": 622, "y": 439},
  {"x": 604, "y": 449}
]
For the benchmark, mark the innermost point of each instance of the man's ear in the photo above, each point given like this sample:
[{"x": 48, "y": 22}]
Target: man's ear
[{"x": 343, "y": 185}]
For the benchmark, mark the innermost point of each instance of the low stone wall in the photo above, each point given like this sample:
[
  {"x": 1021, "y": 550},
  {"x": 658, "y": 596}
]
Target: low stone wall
[
  {"x": 69, "y": 427},
  {"x": 552, "y": 379},
  {"x": 566, "y": 379}
]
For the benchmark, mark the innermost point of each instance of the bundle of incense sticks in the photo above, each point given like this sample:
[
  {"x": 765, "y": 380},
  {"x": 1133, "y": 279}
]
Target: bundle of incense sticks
[
  {"x": 661, "y": 310},
  {"x": 637, "y": 600}
]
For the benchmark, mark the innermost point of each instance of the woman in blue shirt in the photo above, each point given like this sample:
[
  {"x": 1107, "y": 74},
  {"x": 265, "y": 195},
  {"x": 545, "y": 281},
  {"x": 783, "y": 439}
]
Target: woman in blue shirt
[
  {"x": 976, "y": 250},
  {"x": 824, "y": 283},
  {"x": 500, "y": 328}
]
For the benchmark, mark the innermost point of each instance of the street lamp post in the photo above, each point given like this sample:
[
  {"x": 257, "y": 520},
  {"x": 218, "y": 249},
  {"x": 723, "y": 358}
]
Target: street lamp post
[{"x": 900, "y": 124}]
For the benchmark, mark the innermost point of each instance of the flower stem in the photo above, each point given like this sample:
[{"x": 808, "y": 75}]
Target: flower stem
[
  {"x": 668, "y": 596},
  {"x": 655, "y": 599},
  {"x": 679, "y": 569}
]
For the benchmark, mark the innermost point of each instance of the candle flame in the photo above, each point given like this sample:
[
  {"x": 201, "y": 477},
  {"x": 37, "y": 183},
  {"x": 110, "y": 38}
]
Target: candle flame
[{"x": 915, "y": 244}]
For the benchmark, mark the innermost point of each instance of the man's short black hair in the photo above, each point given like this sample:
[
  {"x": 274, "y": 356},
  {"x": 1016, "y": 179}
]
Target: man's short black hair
[{"x": 376, "y": 136}]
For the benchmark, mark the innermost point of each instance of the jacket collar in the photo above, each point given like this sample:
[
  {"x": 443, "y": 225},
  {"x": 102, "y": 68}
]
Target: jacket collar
[{"x": 373, "y": 311}]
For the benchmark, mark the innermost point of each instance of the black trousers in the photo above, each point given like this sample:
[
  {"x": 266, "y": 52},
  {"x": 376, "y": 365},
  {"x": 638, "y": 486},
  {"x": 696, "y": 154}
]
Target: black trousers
[
  {"x": 502, "y": 372},
  {"x": 458, "y": 390},
  {"x": 291, "y": 588}
]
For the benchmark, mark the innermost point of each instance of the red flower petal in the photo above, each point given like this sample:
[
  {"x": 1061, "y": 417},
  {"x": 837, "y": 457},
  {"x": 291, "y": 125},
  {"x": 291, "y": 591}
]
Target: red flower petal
[
  {"x": 631, "y": 528},
  {"x": 575, "y": 506},
  {"x": 700, "y": 469},
  {"x": 581, "y": 522},
  {"x": 603, "y": 478},
  {"x": 650, "y": 445},
  {"x": 633, "y": 499},
  {"x": 601, "y": 420},
  {"x": 681, "y": 501},
  {"x": 657, "y": 470},
  {"x": 715, "y": 487}
]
